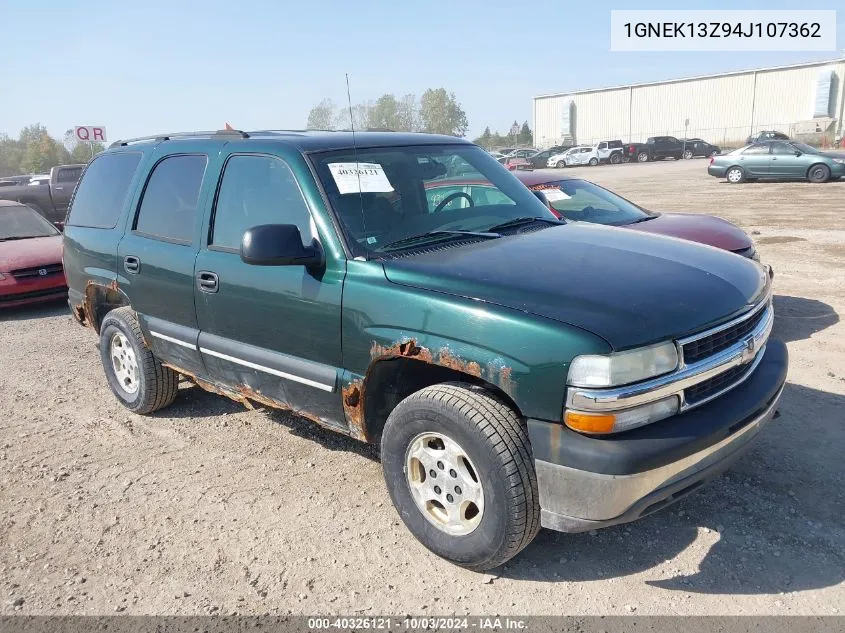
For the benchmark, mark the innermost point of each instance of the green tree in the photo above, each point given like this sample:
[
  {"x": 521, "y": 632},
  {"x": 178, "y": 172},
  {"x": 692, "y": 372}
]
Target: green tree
[
  {"x": 41, "y": 151},
  {"x": 322, "y": 116},
  {"x": 486, "y": 139},
  {"x": 525, "y": 136},
  {"x": 11, "y": 155},
  {"x": 384, "y": 113},
  {"x": 440, "y": 113},
  {"x": 82, "y": 152},
  {"x": 408, "y": 114}
]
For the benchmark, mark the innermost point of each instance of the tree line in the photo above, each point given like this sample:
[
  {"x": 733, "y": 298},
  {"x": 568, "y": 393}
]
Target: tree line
[
  {"x": 493, "y": 140},
  {"x": 35, "y": 151},
  {"x": 437, "y": 112}
]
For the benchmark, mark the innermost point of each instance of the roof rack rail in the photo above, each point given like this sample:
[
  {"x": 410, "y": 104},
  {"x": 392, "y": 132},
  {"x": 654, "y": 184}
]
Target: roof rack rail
[{"x": 167, "y": 137}]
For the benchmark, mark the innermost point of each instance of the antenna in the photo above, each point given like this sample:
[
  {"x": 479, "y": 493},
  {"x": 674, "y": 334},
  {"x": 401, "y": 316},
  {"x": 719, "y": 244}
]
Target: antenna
[{"x": 355, "y": 149}]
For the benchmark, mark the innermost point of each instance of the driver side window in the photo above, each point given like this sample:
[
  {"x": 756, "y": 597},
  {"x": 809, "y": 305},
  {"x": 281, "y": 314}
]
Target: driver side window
[{"x": 256, "y": 190}]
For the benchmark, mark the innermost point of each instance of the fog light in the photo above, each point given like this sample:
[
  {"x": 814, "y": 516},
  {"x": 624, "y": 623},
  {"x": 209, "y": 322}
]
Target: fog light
[{"x": 618, "y": 421}]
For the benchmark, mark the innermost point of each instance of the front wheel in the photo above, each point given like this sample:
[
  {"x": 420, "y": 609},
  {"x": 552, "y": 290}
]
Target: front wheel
[
  {"x": 735, "y": 175},
  {"x": 594, "y": 162},
  {"x": 687, "y": 154},
  {"x": 818, "y": 173},
  {"x": 458, "y": 467}
]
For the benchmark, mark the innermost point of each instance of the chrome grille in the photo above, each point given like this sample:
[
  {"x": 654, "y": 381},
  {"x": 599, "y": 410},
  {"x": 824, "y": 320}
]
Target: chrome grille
[
  {"x": 720, "y": 340},
  {"x": 704, "y": 390}
]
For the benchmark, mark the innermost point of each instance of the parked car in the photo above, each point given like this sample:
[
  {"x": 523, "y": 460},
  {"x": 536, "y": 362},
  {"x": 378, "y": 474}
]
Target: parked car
[
  {"x": 30, "y": 257},
  {"x": 496, "y": 155},
  {"x": 524, "y": 152},
  {"x": 610, "y": 152},
  {"x": 500, "y": 357},
  {"x": 514, "y": 163},
  {"x": 506, "y": 150},
  {"x": 778, "y": 160},
  {"x": 539, "y": 160},
  {"x": 699, "y": 147},
  {"x": 578, "y": 155},
  {"x": 580, "y": 200},
  {"x": 766, "y": 135},
  {"x": 9, "y": 181},
  {"x": 50, "y": 199}
]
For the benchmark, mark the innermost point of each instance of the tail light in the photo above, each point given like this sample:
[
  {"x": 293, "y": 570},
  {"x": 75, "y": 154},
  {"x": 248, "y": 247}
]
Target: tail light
[{"x": 712, "y": 158}]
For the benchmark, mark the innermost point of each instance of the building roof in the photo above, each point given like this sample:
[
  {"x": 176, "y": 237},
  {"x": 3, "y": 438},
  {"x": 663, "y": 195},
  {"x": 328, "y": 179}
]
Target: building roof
[{"x": 695, "y": 78}]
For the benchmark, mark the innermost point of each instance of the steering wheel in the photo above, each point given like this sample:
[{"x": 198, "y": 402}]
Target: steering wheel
[{"x": 451, "y": 197}]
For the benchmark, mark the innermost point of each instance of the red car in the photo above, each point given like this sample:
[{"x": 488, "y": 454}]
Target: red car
[
  {"x": 583, "y": 201},
  {"x": 30, "y": 257},
  {"x": 515, "y": 163}
]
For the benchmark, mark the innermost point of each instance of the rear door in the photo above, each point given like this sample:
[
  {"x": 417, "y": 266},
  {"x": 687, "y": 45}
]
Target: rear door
[
  {"x": 268, "y": 332},
  {"x": 756, "y": 159},
  {"x": 156, "y": 256}
]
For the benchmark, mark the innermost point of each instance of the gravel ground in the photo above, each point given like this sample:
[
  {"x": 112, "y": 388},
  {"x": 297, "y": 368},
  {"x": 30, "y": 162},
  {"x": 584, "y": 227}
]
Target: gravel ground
[{"x": 209, "y": 508}]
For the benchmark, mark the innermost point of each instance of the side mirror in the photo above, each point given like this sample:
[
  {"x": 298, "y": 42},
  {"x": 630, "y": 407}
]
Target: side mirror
[
  {"x": 798, "y": 152},
  {"x": 278, "y": 245}
]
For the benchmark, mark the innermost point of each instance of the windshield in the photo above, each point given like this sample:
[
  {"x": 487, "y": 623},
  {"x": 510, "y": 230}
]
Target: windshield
[
  {"x": 18, "y": 222},
  {"x": 413, "y": 190},
  {"x": 582, "y": 201}
]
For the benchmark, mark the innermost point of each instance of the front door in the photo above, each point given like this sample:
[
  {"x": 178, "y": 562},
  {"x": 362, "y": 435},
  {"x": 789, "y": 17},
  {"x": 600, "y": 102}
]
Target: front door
[
  {"x": 270, "y": 333},
  {"x": 788, "y": 162},
  {"x": 756, "y": 160},
  {"x": 156, "y": 255}
]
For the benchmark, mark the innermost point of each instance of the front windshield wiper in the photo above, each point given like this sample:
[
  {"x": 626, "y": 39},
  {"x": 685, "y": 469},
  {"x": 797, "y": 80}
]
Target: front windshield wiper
[
  {"x": 14, "y": 237},
  {"x": 521, "y": 221},
  {"x": 645, "y": 219},
  {"x": 447, "y": 233}
]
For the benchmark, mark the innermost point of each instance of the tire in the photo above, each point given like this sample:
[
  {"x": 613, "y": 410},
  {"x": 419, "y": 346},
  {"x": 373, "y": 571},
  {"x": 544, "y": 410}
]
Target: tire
[
  {"x": 151, "y": 386},
  {"x": 560, "y": 164},
  {"x": 735, "y": 175},
  {"x": 818, "y": 173},
  {"x": 642, "y": 157},
  {"x": 494, "y": 456},
  {"x": 687, "y": 154},
  {"x": 615, "y": 158},
  {"x": 594, "y": 162},
  {"x": 714, "y": 152}
]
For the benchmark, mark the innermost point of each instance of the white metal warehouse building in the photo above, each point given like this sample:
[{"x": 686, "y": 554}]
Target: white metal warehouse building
[{"x": 801, "y": 99}]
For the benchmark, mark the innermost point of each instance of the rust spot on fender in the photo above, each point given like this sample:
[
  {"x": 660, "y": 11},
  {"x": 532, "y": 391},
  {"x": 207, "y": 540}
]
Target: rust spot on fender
[
  {"x": 353, "y": 406},
  {"x": 97, "y": 294}
]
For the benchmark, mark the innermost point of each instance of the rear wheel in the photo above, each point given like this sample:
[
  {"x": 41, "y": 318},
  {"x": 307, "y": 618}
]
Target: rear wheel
[
  {"x": 560, "y": 164},
  {"x": 818, "y": 173},
  {"x": 458, "y": 467},
  {"x": 615, "y": 158},
  {"x": 594, "y": 162},
  {"x": 735, "y": 175},
  {"x": 138, "y": 379},
  {"x": 687, "y": 154},
  {"x": 642, "y": 157}
]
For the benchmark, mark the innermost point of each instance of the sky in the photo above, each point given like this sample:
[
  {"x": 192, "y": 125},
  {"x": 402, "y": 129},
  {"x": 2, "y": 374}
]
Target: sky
[{"x": 158, "y": 66}]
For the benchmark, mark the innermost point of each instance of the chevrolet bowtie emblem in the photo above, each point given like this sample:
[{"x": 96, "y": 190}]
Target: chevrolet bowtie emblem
[{"x": 748, "y": 349}]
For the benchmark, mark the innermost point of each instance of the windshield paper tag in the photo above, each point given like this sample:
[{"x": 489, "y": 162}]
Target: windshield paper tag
[
  {"x": 371, "y": 177},
  {"x": 554, "y": 195}
]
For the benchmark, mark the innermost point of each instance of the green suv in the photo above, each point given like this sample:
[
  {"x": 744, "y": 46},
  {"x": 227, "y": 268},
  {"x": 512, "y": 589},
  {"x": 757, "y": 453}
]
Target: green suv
[{"x": 517, "y": 371}]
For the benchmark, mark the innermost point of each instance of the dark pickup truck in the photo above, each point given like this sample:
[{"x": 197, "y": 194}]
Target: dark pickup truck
[
  {"x": 655, "y": 148},
  {"x": 48, "y": 199}
]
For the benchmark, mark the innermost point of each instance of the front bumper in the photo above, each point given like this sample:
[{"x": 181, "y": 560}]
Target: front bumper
[
  {"x": 587, "y": 483},
  {"x": 14, "y": 292}
]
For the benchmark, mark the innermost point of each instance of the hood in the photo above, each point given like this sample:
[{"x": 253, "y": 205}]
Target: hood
[
  {"x": 628, "y": 287},
  {"x": 35, "y": 251},
  {"x": 704, "y": 229}
]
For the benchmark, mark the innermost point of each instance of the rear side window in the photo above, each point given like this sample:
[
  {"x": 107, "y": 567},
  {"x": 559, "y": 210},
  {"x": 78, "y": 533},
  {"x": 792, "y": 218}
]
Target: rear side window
[
  {"x": 257, "y": 190},
  {"x": 69, "y": 174},
  {"x": 169, "y": 205},
  {"x": 762, "y": 148},
  {"x": 100, "y": 197}
]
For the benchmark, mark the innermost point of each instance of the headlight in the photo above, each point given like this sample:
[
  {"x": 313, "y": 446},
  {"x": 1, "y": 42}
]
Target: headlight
[
  {"x": 624, "y": 420},
  {"x": 841, "y": 161},
  {"x": 621, "y": 368}
]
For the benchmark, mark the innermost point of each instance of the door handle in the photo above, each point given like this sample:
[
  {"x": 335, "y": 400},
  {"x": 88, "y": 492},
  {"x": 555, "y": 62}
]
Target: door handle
[
  {"x": 774, "y": 158},
  {"x": 131, "y": 264},
  {"x": 207, "y": 281},
  {"x": 58, "y": 188}
]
